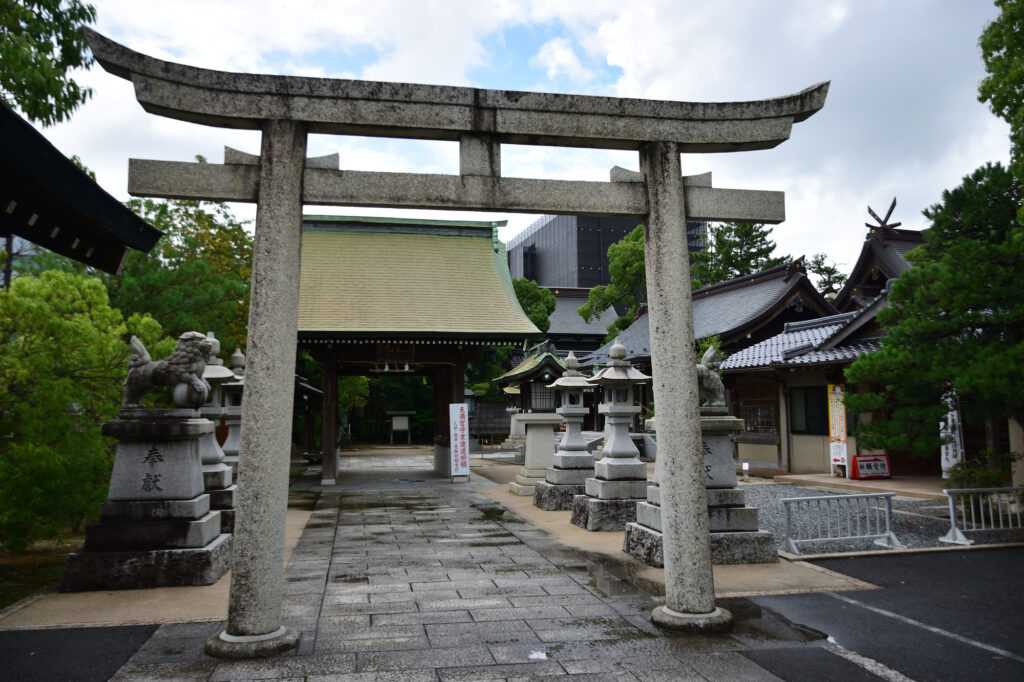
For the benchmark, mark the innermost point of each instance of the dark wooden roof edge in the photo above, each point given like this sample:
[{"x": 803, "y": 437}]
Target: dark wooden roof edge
[
  {"x": 800, "y": 285},
  {"x": 32, "y": 157},
  {"x": 433, "y": 338},
  {"x": 548, "y": 361},
  {"x": 863, "y": 317},
  {"x": 785, "y": 271},
  {"x": 875, "y": 241}
]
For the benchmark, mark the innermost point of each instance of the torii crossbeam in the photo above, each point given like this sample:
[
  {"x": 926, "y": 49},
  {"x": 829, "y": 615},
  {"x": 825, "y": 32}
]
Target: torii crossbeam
[{"x": 286, "y": 109}]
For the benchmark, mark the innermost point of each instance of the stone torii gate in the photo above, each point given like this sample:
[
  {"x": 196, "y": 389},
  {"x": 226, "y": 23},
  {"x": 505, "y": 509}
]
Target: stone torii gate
[{"x": 287, "y": 109}]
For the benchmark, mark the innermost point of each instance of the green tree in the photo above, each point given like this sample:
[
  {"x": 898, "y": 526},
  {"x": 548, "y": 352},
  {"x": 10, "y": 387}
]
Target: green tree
[
  {"x": 627, "y": 287},
  {"x": 537, "y": 302},
  {"x": 734, "y": 250},
  {"x": 955, "y": 321},
  {"x": 1002, "y": 48},
  {"x": 830, "y": 279},
  {"x": 40, "y": 42},
  {"x": 62, "y": 359},
  {"x": 196, "y": 278}
]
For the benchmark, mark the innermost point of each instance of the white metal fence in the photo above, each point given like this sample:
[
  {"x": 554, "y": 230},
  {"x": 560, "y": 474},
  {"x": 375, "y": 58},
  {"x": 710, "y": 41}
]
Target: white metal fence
[
  {"x": 838, "y": 518},
  {"x": 977, "y": 509}
]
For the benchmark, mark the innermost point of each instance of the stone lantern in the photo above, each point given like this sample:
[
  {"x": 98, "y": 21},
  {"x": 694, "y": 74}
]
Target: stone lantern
[
  {"x": 232, "y": 392},
  {"x": 572, "y": 464},
  {"x": 620, "y": 477},
  {"x": 217, "y": 475}
]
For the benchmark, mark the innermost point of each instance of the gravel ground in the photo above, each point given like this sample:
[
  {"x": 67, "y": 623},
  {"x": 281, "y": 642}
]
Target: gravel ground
[{"x": 916, "y": 522}]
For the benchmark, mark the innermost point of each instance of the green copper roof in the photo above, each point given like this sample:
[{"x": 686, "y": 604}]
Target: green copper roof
[
  {"x": 364, "y": 275},
  {"x": 530, "y": 364}
]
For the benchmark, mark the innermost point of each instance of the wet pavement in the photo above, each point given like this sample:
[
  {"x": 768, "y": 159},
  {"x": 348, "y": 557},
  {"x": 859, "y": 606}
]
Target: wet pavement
[{"x": 402, "y": 576}]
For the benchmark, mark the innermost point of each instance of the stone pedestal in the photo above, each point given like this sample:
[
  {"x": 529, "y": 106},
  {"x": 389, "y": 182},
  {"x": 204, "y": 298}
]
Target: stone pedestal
[
  {"x": 157, "y": 528},
  {"x": 734, "y": 534},
  {"x": 516, "y": 430},
  {"x": 540, "y": 451}
]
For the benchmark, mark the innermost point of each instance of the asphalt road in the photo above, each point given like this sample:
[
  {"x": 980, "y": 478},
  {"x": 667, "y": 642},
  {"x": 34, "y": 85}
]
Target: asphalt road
[{"x": 937, "y": 616}]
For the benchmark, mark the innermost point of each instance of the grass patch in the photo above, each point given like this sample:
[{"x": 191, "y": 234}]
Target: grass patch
[{"x": 22, "y": 575}]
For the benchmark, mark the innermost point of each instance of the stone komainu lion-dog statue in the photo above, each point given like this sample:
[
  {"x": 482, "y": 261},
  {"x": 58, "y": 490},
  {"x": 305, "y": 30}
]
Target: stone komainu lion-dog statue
[
  {"x": 709, "y": 383},
  {"x": 184, "y": 365}
]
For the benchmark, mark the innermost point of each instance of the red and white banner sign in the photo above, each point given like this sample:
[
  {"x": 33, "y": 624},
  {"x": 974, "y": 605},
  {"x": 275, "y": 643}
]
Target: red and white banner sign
[{"x": 459, "y": 419}]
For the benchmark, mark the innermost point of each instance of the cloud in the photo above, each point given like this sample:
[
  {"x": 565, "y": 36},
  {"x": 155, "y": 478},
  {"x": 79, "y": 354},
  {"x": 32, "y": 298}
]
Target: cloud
[{"x": 558, "y": 58}]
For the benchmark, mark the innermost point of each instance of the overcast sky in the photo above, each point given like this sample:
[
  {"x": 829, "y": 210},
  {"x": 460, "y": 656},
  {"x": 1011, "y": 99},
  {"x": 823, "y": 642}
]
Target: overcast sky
[{"x": 901, "y": 120}]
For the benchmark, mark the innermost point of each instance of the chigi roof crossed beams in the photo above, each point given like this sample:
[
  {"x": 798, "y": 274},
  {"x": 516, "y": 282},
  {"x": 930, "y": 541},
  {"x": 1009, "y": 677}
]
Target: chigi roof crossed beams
[{"x": 480, "y": 120}]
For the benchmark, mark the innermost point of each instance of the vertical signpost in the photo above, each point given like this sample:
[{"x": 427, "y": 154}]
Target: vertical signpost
[
  {"x": 837, "y": 429},
  {"x": 952, "y": 448},
  {"x": 459, "y": 420}
]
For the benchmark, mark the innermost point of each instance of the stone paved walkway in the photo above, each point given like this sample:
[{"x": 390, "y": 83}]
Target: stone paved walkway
[{"x": 401, "y": 576}]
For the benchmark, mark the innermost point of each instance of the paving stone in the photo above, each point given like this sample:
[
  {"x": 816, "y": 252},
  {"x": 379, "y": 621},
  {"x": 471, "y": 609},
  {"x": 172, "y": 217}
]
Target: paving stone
[
  {"x": 372, "y": 609},
  {"x": 430, "y": 604},
  {"x": 184, "y": 672},
  {"x": 373, "y": 644},
  {"x": 518, "y": 613},
  {"x": 264, "y": 669},
  {"x": 403, "y": 676},
  {"x": 501, "y": 672},
  {"x": 636, "y": 665},
  {"x": 421, "y": 617},
  {"x": 423, "y": 660}
]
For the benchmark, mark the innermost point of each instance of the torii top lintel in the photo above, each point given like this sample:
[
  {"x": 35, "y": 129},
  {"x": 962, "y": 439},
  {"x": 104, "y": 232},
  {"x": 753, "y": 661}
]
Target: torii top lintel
[{"x": 368, "y": 108}]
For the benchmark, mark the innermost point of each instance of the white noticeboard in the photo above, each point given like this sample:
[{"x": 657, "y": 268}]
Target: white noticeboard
[
  {"x": 837, "y": 428},
  {"x": 459, "y": 419}
]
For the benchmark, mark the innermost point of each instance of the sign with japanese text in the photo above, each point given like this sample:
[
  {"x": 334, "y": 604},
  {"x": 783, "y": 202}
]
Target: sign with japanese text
[
  {"x": 871, "y": 466},
  {"x": 459, "y": 420},
  {"x": 952, "y": 449},
  {"x": 837, "y": 427}
]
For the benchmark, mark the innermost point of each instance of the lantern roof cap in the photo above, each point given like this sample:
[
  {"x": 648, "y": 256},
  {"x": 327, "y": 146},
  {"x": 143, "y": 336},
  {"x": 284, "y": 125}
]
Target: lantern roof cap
[{"x": 618, "y": 371}]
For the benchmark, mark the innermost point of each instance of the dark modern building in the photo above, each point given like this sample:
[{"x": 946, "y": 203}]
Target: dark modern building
[{"x": 572, "y": 251}]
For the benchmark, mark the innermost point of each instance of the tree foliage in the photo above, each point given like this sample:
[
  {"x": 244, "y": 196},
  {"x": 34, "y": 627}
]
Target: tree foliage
[
  {"x": 62, "y": 359},
  {"x": 627, "y": 286},
  {"x": 955, "y": 321},
  {"x": 196, "y": 278},
  {"x": 1002, "y": 48},
  {"x": 40, "y": 42},
  {"x": 830, "y": 279},
  {"x": 734, "y": 250},
  {"x": 537, "y": 302}
]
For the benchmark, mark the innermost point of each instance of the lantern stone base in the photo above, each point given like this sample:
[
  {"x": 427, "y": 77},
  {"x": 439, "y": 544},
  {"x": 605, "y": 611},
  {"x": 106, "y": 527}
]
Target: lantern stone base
[
  {"x": 593, "y": 514},
  {"x": 756, "y": 547},
  {"x": 130, "y": 570},
  {"x": 556, "y": 497}
]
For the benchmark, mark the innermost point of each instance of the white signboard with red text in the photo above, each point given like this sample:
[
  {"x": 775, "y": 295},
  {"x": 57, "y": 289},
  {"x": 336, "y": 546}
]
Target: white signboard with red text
[
  {"x": 837, "y": 428},
  {"x": 459, "y": 420}
]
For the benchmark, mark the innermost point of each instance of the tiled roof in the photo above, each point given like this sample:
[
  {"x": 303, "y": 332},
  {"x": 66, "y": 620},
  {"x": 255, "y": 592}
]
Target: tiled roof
[
  {"x": 438, "y": 278},
  {"x": 565, "y": 320},
  {"x": 805, "y": 343},
  {"x": 719, "y": 309},
  {"x": 884, "y": 252},
  {"x": 530, "y": 365}
]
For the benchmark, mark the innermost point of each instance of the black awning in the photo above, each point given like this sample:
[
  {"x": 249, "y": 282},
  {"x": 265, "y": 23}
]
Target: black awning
[{"x": 47, "y": 200}]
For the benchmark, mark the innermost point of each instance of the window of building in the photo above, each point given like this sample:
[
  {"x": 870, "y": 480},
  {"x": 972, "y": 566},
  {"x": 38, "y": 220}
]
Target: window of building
[
  {"x": 808, "y": 410},
  {"x": 758, "y": 406},
  {"x": 542, "y": 397}
]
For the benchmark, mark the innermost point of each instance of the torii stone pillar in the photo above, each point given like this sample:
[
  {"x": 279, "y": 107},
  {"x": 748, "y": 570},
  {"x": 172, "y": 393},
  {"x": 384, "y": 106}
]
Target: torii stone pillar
[
  {"x": 254, "y": 611},
  {"x": 689, "y": 583}
]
